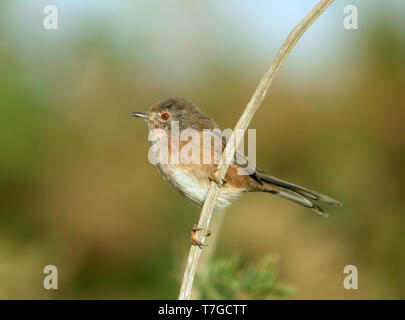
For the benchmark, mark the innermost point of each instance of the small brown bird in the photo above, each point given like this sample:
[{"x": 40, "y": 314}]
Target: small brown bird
[{"x": 192, "y": 180}]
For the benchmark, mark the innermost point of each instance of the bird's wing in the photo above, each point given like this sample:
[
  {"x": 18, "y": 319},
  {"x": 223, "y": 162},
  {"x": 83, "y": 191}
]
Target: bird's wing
[{"x": 245, "y": 167}]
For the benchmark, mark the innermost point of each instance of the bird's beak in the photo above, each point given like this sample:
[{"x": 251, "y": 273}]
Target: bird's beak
[{"x": 142, "y": 115}]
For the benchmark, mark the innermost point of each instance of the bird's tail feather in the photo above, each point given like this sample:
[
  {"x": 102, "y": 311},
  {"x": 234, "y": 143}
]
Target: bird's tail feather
[{"x": 300, "y": 195}]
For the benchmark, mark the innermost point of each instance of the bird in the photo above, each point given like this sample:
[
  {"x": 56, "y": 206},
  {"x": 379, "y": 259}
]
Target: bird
[{"x": 192, "y": 180}]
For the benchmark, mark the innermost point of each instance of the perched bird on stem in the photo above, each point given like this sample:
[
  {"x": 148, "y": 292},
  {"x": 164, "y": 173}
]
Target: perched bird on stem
[{"x": 192, "y": 180}]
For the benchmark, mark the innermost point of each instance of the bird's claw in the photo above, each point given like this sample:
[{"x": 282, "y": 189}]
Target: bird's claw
[
  {"x": 194, "y": 240},
  {"x": 214, "y": 177}
]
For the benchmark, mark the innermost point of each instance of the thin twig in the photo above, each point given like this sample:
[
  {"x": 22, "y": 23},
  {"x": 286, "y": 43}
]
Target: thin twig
[
  {"x": 243, "y": 123},
  {"x": 205, "y": 259}
]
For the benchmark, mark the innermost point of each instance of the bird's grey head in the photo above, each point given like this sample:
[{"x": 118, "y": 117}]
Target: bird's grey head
[{"x": 178, "y": 109}]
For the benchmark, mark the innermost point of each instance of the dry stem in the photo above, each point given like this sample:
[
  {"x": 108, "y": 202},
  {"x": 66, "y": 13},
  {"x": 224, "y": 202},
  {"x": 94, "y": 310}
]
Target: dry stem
[{"x": 243, "y": 123}]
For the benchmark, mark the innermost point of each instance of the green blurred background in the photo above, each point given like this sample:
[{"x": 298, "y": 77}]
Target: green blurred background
[{"x": 77, "y": 190}]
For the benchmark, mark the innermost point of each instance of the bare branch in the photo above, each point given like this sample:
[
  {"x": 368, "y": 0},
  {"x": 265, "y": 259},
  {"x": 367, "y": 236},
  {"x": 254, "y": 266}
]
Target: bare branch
[{"x": 243, "y": 123}]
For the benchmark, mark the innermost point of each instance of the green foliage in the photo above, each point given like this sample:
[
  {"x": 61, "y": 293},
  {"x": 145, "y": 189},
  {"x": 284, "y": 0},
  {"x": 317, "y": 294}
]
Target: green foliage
[{"x": 228, "y": 279}]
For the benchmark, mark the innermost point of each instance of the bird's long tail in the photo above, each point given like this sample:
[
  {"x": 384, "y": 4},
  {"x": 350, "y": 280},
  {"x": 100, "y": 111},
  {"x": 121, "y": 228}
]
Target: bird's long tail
[{"x": 300, "y": 195}]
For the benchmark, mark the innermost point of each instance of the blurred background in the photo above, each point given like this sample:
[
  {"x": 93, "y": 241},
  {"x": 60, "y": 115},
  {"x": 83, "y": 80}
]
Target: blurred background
[{"x": 77, "y": 190}]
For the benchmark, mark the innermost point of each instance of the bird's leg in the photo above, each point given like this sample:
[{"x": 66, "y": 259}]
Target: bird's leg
[
  {"x": 214, "y": 177},
  {"x": 194, "y": 240}
]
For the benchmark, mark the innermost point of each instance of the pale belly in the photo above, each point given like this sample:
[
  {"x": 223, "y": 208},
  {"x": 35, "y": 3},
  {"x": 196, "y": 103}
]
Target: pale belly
[{"x": 195, "y": 188}]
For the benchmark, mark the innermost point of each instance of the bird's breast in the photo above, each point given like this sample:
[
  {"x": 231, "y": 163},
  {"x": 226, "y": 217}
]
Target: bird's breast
[{"x": 192, "y": 181}]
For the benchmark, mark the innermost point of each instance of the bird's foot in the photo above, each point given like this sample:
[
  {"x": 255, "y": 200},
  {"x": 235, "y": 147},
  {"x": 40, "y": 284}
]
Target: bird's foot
[
  {"x": 214, "y": 177},
  {"x": 194, "y": 240}
]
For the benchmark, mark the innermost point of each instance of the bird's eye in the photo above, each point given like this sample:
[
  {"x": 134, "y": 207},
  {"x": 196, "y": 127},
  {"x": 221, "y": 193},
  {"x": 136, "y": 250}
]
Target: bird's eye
[{"x": 164, "y": 116}]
